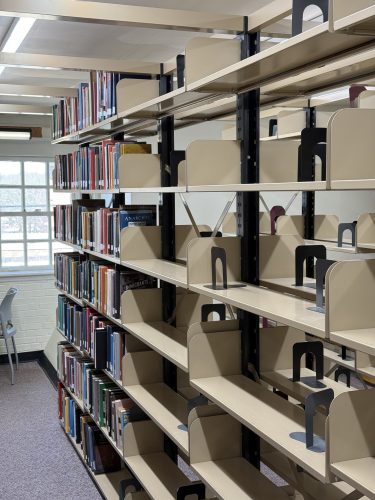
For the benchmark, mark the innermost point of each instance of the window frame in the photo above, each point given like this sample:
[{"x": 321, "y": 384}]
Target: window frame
[{"x": 24, "y": 214}]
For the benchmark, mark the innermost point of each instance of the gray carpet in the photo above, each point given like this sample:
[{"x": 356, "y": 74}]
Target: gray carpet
[{"x": 36, "y": 460}]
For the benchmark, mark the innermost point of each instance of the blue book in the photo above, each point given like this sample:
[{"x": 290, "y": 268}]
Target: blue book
[{"x": 133, "y": 216}]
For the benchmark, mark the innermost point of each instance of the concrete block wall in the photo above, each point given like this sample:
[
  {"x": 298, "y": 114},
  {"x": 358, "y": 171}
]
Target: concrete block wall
[{"x": 33, "y": 310}]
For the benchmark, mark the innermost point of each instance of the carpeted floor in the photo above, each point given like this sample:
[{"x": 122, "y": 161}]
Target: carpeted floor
[{"x": 37, "y": 462}]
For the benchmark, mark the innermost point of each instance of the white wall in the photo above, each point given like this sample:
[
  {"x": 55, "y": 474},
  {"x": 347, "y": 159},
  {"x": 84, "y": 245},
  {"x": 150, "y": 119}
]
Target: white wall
[{"x": 33, "y": 310}]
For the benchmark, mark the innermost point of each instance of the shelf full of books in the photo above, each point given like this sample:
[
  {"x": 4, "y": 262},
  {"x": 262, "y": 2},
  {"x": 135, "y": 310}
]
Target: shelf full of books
[{"x": 96, "y": 101}]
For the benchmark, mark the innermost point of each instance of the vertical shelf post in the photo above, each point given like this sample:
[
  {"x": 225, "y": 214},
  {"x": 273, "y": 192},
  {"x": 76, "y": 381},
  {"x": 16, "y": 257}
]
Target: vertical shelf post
[
  {"x": 308, "y": 200},
  {"x": 167, "y": 222},
  {"x": 248, "y": 227}
]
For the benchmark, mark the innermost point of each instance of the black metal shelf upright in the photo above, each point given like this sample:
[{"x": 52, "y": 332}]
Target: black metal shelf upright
[
  {"x": 167, "y": 222},
  {"x": 248, "y": 226}
]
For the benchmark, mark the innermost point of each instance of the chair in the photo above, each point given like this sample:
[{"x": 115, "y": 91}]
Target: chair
[{"x": 7, "y": 330}]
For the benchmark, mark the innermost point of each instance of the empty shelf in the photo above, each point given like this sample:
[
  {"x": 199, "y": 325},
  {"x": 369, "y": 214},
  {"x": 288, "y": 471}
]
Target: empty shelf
[
  {"x": 167, "y": 408},
  {"x": 159, "y": 476},
  {"x": 336, "y": 358},
  {"x": 262, "y": 186},
  {"x": 361, "y": 340},
  {"x": 286, "y": 285},
  {"x": 236, "y": 478},
  {"x": 305, "y": 50},
  {"x": 259, "y": 409},
  {"x": 361, "y": 21},
  {"x": 287, "y": 310},
  {"x": 281, "y": 380},
  {"x": 161, "y": 269},
  {"x": 358, "y": 473},
  {"x": 165, "y": 339}
]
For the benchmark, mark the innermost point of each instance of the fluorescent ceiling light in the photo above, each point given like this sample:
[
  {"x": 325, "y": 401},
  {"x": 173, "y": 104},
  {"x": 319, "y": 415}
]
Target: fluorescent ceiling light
[
  {"x": 15, "y": 135},
  {"x": 18, "y": 33}
]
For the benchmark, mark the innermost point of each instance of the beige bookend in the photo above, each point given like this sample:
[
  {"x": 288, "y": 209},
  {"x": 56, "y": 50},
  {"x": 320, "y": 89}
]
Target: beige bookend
[
  {"x": 139, "y": 171},
  {"x": 326, "y": 226},
  {"x": 202, "y": 56},
  {"x": 366, "y": 99},
  {"x": 142, "y": 242},
  {"x": 344, "y": 8},
  {"x": 144, "y": 305},
  {"x": 291, "y": 122},
  {"x": 142, "y": 368},
  {"x": 276, "y": 347},
  {"x": 199, "y": 259},
  {"x": 350, "y": 317},
  {"x": 213, "y": 162},
  {"x": 277, "y": 256},
  {"x": 352, "y": 440},
  {"x": 279, "y": 161},
  {"x": 184, "y": 234},
  {"x": 142, "y": 438},
  {"x": 216, "y": 455},
  {"x": 366, "y": 230},
  {"x": 208, "y": 354},
  {"x": 349, "y": 295},
  {"x": 351, "y": 149},
  {"x": 132, "y": 92},
  {"x": 365, "y": 364}
]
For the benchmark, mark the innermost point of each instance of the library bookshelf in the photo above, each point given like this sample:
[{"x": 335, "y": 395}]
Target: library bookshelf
[{"x": 211, "y": 389}]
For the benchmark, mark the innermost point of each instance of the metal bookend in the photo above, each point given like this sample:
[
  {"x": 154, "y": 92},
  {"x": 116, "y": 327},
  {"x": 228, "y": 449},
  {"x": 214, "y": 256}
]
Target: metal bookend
[
  {"x": 302, "y": 253},
  {"x": 218, "y": 253},
  {"x": 315, "y": 348},
  {"x": 341, "y": 370},
  {"x": 197, "y": 489},
  {"x": 275, "y": 212},
  {"x": 321, "y": 398},
  {"x": 310, "y": 139},
  {"x": 347, "y": 226},
  {"x": 207, "y": 309},
  {"x": 125, "y": 484},
  {"x": 299, "y": 7}
]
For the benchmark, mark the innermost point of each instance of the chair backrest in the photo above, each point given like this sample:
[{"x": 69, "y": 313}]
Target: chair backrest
[{"x": 6, "y": 307}]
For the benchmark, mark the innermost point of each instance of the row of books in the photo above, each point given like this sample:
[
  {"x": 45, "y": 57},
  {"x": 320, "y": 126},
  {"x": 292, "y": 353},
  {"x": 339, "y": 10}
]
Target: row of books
[
  {"x": 96, "y": 101},
  {"x": 103, "y": 399},
  {"x": 96, "y": 281},
  {"x": 105, "y": 343},
  {"x": 94, "y": 167},
  {"x": 98, "y": 453},
  {"x": 103, "y": 285},
  {"x": 68, "y": 273},
  {"x": 88, "y": 224}
]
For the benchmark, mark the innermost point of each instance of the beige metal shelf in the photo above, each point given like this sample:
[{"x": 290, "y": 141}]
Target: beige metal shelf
[
  {"x": 163, "y": 338},
  {"x": 284, "y": 309},
  {"x": 262, "y": 186},
  {"x": 362, "y": 340},
  {"x": 158, "y": 474},
  {"x": 161, "y": 269},
  {"x": 359, "y": 473},
  {"x": 282, "y": 380},
  {"x": 166, "y": 408},
  {"x": 300, "y": 52},
  {"x": 259, "y": 409},
  {"x": 287, "y": 285},
  {"x": 353, "y": 17}
]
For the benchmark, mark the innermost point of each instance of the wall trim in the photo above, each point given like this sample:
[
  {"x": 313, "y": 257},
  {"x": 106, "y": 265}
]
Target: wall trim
[{"x": 40, "y": 358}]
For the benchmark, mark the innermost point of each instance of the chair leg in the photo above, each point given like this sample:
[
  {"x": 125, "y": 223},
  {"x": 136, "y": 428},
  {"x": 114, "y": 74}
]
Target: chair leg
[
  {"x": 15, "y": 351},
  {"x": 10, "y": 359}
]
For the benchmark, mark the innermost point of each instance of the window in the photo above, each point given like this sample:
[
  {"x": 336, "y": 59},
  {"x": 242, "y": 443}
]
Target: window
[{"x": 26, "y": 215}]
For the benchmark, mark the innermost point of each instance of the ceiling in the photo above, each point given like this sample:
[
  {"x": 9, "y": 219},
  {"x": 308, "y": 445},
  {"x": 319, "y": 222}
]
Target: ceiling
[{"x": 63, "y": 38}]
